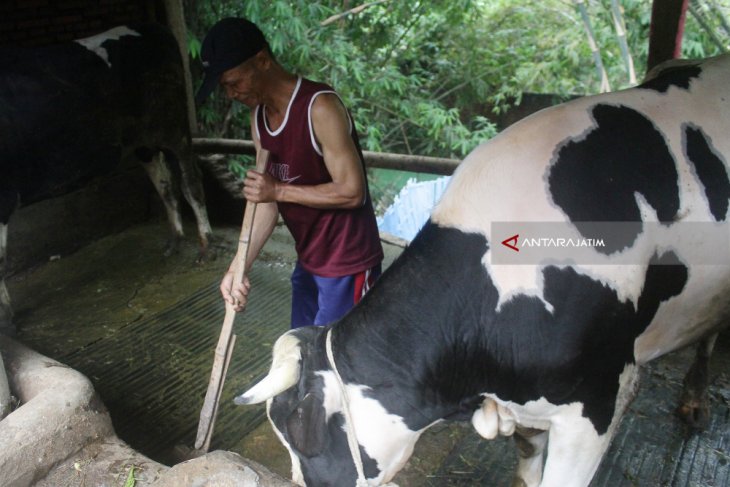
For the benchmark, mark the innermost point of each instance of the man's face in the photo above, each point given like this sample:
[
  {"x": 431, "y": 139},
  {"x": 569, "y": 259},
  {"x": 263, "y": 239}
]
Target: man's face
[{"x": 241, "y": 83}]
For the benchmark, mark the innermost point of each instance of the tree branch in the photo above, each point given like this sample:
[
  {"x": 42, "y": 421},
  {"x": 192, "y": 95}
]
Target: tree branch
[
  {"x": 721, "y": 16},
  {"x": 405, "y": 138},
  {"x": 352, "y": 11},
  {"x": 694, "y": 10},
  {"x": 602, "y": 75},
  {"x": 620, "y": 26},
  {"x": 386, "y": 58}
]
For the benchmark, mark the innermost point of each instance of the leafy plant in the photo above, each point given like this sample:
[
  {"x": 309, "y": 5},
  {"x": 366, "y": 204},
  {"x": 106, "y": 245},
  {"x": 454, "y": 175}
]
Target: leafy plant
[
  {"x": 131, "y": 481},
  {"x": 423, "y": 77}
]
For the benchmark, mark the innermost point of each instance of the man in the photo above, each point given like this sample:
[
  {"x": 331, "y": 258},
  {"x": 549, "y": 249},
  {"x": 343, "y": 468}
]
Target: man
[{"x": 315, "y": 177}]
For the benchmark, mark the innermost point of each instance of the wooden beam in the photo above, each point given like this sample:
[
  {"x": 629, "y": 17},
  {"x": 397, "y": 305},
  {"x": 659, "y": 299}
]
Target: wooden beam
[{"x": 382, "y": 160}]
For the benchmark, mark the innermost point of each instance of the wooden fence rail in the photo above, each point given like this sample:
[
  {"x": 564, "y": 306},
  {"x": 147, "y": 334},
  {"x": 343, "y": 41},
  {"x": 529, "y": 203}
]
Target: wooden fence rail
[{"x": 382, "y": 160}]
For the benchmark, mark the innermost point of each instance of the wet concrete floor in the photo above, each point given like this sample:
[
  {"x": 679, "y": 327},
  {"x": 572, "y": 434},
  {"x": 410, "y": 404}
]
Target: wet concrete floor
[{"x": 143, "y": 328}]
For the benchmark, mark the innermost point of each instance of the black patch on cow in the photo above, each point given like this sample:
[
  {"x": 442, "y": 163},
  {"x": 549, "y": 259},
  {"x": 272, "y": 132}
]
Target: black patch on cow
[
  {"x": 678, "y": 76},
  {"x": 593, "y": 178},
  {"x": 429, "y": 340},
  {"x": 709, "y": 168}
]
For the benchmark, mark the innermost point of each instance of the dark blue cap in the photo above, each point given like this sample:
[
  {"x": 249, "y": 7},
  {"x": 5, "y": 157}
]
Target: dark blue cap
[{"x": 229, "y": 42}]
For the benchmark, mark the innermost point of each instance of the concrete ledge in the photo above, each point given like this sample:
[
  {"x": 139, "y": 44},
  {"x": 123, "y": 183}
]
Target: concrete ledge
[
  {"x": 221, "y": 469},
  {"x": 62, "y": 435},
  {"x": 104, "y": 463},
  {"x": 60, "y": 413}
]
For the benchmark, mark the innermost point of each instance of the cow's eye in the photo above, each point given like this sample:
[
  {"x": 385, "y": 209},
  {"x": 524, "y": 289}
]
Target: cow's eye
[{"x": 306, "y": 426}]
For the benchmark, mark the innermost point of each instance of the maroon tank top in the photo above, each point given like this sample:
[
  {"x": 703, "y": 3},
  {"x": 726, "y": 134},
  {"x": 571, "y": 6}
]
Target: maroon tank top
[{"x": 329, "y": 243}]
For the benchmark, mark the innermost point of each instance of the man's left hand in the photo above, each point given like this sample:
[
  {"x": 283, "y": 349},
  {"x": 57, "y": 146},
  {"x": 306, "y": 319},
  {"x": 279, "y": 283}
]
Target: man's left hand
[{"x": 259, "y": 187}]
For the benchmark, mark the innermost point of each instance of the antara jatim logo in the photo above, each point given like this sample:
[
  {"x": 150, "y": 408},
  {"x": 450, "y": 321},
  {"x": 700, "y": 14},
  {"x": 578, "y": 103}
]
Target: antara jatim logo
[{"x": 512, "y": 242}]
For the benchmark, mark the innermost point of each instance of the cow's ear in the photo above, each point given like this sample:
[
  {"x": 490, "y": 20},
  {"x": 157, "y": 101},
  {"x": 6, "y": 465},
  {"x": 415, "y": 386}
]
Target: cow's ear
[{"x": 307, "y": 426}]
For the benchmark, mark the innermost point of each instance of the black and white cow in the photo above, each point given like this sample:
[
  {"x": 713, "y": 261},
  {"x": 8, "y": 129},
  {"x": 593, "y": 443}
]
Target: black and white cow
[
  {"x": 550, "y": 349},
  {"x": 72, "y": 111}
]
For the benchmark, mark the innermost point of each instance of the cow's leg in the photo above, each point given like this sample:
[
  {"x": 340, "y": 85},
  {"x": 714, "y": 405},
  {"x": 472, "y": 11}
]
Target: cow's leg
[
  {"x": 530, "y": 446},
  {"x": 693, "y": 404},
  {"x": 159, "y": 173},
  {"x": 575, "y": 448},
  {"x": 192, "y": 188},
  {"x": 6, "y": 311}
]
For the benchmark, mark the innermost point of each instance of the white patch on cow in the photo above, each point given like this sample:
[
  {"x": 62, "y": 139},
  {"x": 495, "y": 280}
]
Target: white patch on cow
[
  {"x": 332, "y": 400},
  {"x": 384, "y": 436},
  {"x": 6, "y": 312},
  {"x": 575, "y": 448},
  {"x": 94, "y": 43},
  {"x": 529, "y": 470},
  {"x": 373, "y": 424},
  {"x": 516, "y": 280}
]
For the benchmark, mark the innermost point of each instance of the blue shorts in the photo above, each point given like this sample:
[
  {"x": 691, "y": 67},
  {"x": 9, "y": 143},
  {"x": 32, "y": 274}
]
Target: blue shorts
[{"x": 318, "y": 300}]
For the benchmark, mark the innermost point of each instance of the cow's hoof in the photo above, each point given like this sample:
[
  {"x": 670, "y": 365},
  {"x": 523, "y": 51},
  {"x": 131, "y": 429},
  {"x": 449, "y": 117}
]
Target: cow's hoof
[
  {"x": 210, "y": 249},
  {"x": 206, "y": 255},
  {"x": 172, "y": 247},
  {"x": 695, "y": 413}
]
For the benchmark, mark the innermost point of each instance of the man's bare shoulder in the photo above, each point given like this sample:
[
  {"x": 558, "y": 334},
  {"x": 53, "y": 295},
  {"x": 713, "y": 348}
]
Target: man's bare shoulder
[{"x": 327, "y": 105}]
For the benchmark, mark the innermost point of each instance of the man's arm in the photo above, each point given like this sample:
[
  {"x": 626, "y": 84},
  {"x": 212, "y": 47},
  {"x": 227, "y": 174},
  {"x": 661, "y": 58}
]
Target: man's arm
[
  {"x": 347, "y": 188},
  {"x": 262, "y": 227}
]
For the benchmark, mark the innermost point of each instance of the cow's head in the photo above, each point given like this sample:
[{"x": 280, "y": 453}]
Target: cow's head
[{"x": 304, "y": 405}]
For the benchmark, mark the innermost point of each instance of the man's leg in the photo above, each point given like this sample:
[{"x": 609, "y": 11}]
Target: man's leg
[
  {"x": 337, "y": 295},
  {"x": 304, "y": 298}
]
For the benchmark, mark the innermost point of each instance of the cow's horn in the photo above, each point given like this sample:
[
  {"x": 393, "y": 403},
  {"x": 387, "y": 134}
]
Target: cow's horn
[{"x": 284, "y": 372}]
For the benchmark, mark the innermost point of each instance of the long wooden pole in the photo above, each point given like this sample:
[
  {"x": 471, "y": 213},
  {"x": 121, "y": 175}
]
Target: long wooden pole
[{"x": 224, "y": 349}]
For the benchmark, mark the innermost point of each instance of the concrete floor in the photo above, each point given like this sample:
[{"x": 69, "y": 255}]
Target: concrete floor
[{"x": 143, "y": 329}]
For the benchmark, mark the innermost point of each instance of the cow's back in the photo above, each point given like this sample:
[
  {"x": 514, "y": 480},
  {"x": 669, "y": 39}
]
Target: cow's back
[
  {"x": 656, "y": 154},
  {"x": 72, "y": 111}
]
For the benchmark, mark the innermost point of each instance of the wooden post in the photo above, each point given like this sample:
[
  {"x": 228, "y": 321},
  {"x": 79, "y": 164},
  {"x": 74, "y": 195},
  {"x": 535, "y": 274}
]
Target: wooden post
[{"x": 665, "y": 33}]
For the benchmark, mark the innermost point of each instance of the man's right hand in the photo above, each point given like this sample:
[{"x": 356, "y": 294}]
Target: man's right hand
[{"x": 235, "y": 294}]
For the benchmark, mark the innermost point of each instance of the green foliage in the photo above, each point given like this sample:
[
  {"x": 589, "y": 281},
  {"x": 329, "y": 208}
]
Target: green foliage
[
  {"x": 194, "y": 46},
  {"x": 386, "y": 62},
  {"x": 707, "y": 30},
  {"x": 423, "y": 76}
]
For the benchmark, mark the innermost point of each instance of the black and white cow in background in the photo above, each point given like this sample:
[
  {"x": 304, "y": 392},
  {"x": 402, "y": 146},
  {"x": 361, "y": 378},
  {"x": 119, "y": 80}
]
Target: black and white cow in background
[
  {"x": 548, "y": 351},
  {"x": 72, "y": 111}
]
